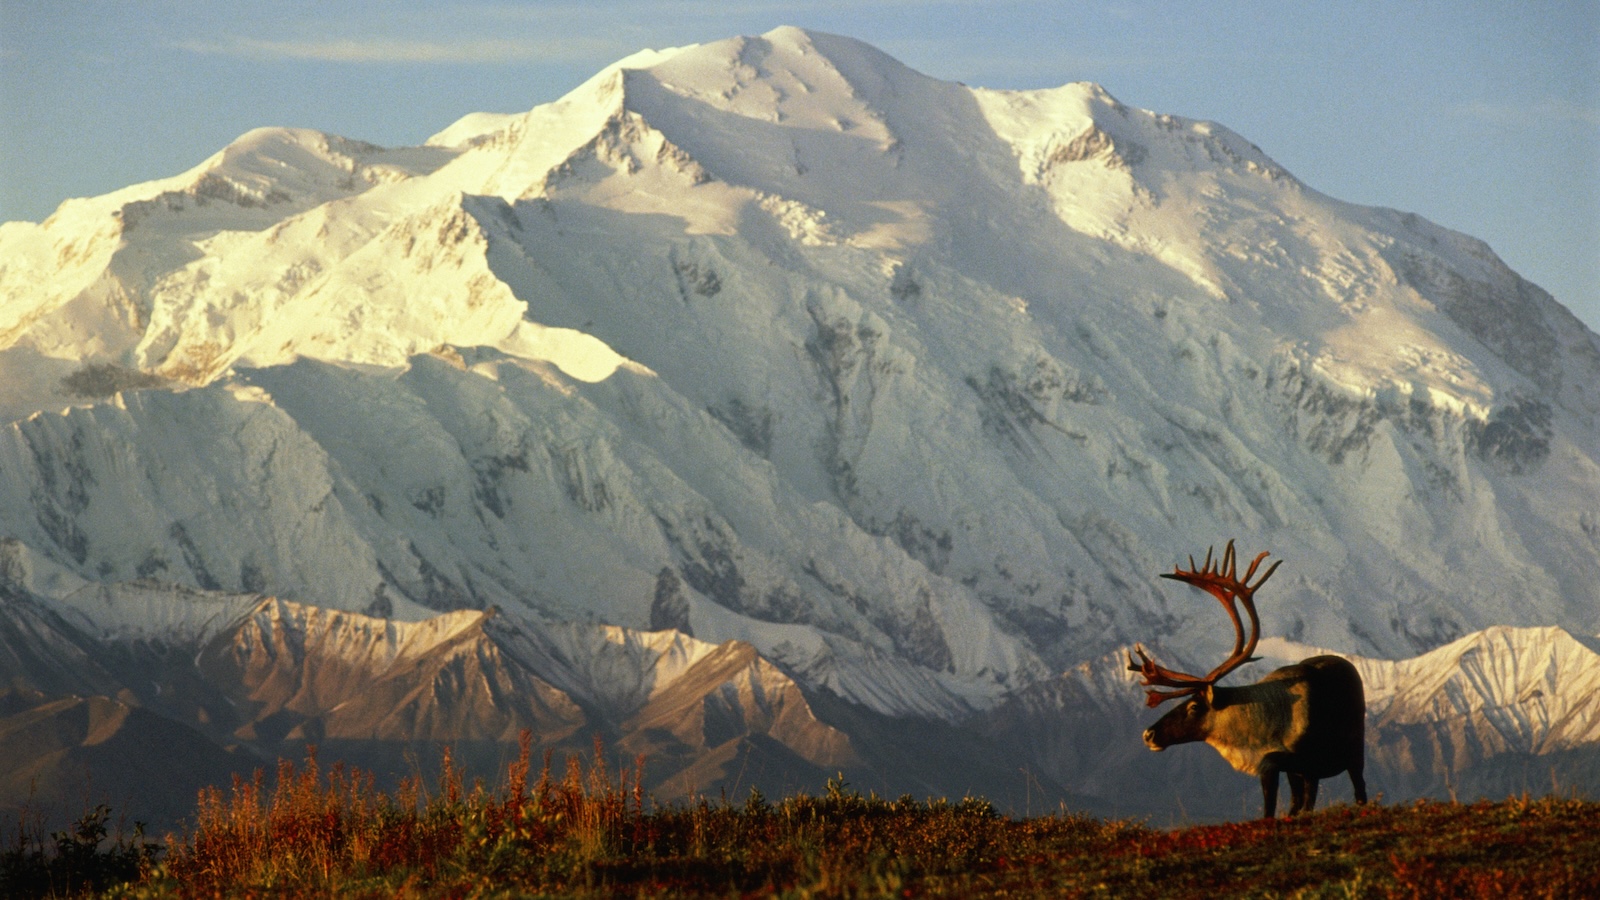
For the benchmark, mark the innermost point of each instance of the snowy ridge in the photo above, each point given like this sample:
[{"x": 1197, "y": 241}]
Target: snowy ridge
[
  {"x": 374, "y": 644},
  {"x": 612, "y": 668},
  {"x": 1527, "y": 690},
  {"x": 125, "y": 242},
  {"x": 151, "y": 611}
]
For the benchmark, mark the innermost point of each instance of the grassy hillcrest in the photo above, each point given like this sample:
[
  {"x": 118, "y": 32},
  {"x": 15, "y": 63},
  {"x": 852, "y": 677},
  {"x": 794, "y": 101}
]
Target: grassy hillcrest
[{"x": 593, "y": 832}]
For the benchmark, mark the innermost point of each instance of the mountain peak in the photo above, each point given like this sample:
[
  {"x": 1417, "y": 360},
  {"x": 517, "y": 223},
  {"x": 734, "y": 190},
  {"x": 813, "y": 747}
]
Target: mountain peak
[
  {"x": 909, "y": 385},
  {"x": 788, "y": 78}
]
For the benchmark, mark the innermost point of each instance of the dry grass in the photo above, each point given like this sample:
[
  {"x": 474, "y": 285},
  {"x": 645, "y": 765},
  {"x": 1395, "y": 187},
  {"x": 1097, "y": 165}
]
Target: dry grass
[{"x": 591, "y": 833}]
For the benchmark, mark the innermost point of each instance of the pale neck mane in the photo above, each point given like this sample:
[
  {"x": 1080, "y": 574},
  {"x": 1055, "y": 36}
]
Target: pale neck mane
[{"x": 1252, "y": 721}]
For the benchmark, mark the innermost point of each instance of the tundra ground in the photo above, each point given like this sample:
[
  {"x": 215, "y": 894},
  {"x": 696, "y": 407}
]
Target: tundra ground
[{"x": 593, "y": 834}]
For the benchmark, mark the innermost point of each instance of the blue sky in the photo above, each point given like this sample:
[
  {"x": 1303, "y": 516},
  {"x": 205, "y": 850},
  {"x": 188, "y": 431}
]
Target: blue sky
[{"x": 1484, "y": 117}]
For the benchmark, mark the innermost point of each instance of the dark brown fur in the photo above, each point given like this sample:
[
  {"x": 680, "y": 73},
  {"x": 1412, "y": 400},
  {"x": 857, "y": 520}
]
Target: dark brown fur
[{"x": 1307, "y": 721}]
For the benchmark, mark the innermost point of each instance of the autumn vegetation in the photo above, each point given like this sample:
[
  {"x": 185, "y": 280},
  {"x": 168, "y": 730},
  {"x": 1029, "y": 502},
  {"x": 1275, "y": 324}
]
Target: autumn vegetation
[{"x": 588, "y": 831}]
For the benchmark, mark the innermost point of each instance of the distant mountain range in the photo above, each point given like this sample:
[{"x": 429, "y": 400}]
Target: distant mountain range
[{"x": 772, "y": 410}]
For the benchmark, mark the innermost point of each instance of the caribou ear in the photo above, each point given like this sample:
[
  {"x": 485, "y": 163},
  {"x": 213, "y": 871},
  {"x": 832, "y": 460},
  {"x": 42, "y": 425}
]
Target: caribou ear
[{"x": 1214, "y": 698}]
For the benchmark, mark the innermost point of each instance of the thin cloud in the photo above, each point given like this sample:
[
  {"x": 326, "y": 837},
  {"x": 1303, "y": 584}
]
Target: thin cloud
[
  {"x": 619, "y": 22},
  {"x": 712, "y": 10},
  {"x": 1523, "y": 114},
  {"x": 394, "y": 50},
  {"x": 626, "y": 26}
]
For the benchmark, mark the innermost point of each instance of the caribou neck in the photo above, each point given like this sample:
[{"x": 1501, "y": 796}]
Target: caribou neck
[{"x": 1248, "y": 722}]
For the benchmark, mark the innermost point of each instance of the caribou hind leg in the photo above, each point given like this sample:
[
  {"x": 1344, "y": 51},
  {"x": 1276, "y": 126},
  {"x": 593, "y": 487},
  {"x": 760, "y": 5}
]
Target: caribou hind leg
[{"x": 1358, "y": 781}]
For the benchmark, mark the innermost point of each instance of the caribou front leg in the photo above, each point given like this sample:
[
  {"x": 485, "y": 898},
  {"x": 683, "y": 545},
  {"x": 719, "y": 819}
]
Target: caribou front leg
[
  {"x": 1303, "y": 793},
  {"x": 1269, "y": 793},
  {"x": 1271, "y": 764}
]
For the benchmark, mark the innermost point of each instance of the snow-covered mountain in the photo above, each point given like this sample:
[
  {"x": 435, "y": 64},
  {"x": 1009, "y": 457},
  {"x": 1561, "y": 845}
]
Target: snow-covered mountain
[{"x": 908, "y": 387}]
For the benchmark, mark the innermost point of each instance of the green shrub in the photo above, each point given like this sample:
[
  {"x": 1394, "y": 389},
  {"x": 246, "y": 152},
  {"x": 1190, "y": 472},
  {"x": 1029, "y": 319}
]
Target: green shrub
[{"x": 83, "y": 859}]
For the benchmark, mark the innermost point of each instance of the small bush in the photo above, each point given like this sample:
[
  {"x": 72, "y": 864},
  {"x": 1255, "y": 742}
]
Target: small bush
[{"x": 81, "y": 860}]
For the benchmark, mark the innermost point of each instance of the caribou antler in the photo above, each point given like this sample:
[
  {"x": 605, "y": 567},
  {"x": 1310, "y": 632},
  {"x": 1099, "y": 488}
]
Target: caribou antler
[{"x": 1222, "y": 582}]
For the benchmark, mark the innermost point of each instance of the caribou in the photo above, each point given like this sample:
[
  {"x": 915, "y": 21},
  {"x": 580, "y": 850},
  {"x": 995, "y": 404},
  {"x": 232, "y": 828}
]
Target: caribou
[{"x": 1307, "y": 721}]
